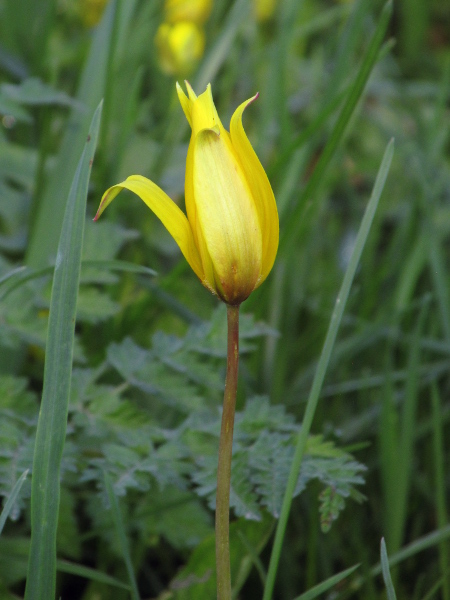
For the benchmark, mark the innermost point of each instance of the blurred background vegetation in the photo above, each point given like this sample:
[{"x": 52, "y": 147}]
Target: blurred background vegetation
[{"x": 149, "y": 353}]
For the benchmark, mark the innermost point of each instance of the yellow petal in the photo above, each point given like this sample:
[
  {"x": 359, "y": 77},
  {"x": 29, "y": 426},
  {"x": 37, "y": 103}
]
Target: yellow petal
[
  {"x": 227, "y": 217},
  {"x": 185, "y": 103},
  {"x": 173, "y": 219},
  {"x": 203, "y": 112},
  {"x": 261, "y": 189},
  {"x": 193, "y": 218}
]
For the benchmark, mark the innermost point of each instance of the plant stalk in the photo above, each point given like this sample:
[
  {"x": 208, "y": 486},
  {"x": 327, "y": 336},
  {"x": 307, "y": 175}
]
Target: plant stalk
[{"x": 224, "y": 465}]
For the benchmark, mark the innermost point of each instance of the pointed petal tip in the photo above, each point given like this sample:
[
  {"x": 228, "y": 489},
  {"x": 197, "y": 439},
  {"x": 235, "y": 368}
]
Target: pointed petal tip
[
  {"x": 192, "y": 95},
  {"x": 255, "y": 97}
]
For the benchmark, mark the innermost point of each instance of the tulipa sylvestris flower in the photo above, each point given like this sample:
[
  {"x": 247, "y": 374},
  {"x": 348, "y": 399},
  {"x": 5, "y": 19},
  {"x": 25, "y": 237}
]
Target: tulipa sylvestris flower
[{"x": 230, "y": 234}]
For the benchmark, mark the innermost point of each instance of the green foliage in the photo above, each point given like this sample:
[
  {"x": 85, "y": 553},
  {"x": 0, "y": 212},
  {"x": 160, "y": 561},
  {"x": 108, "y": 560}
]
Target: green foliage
[
  {"x": 114, "y": 428},
  {"x": 149, "y": 354}
]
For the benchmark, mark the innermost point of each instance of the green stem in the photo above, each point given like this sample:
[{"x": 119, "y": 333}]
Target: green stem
[{"x": 224, "y": 465}]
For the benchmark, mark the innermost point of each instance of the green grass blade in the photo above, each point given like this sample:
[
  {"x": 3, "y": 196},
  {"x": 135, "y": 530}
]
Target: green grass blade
[
  {"x": 423, "y": 543},
  {"x": 12, "y": 275},
  {"x": 438, "y": 272},
  {"x": 44, "y": 239},
  {"x": 118, "y": 523},
  {"x": 326, "y": 585},
  {"x": 403, "y": 455},
  {"x": 323, "y": 364},
  {"x": 51, "y": 429},
  {"x": 306, "y": 135},
  {"x": 300, "y": 218},
  {"x": 11, "y": 499},
  {"x": 439, "y": 468},
  {"x": 27, "y": 30},
  {"x": 221, "y": 49},
  {"x": 386, "y": 573},
  {"x": 64, "y": 566}
]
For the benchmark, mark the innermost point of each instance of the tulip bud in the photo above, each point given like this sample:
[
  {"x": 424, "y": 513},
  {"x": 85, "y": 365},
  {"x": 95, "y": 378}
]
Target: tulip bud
[{"x": 180, "y": 47}]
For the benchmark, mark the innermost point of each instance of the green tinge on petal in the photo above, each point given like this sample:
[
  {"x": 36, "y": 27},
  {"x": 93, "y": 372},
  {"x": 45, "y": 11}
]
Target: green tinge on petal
[
  {"x": 229, "y": 223},
  {"x": 260, "y": 187},
  {"x": 172, "y": 217}
]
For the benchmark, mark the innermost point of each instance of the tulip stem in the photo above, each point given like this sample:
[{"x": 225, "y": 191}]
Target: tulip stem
[{"x": 224, "y": 465}]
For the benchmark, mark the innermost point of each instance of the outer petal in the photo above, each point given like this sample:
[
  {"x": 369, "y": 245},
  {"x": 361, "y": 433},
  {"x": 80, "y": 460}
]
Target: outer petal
[
  {"x": 227, "y": 217},
  {"x": 260, "y": 187},
  {"x": 191, "y": 210},
  {"x": 185, "y": 103},
  {"x": 173, "y": 219}
]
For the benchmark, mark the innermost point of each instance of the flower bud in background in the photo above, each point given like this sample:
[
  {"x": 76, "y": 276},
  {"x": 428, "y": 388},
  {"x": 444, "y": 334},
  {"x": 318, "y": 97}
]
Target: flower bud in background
[
  {"x": 180, "y": 47},
  {"x": 180, "y": 39},
  {"x": 196, "y": 11},
  {"x": 230, "y": 234},
  {"x": 91, "y": 11},
  {"x": 264, "y": 9}
]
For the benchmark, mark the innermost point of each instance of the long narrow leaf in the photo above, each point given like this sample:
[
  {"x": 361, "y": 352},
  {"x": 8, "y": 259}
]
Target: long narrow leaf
[
  {"x": 297, "y": 221},
  {"x": 44, "y": 239},
  {"x": 64, "y": 566},
  {"x": 118, "y": 523},
  {"x": 324, "y": 586},
  {"x": 52, "y": 423},
  {"x": 323, "y": 364},
  {"x": 12, "y": 498},
  {"x": 439, "y": 469},
  {"x": 386, "y": 573}
]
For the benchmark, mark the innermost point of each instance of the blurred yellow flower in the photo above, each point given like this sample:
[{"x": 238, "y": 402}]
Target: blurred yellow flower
[
  {"x": 196, "y": 11},
  {"x": 230, "y": 234},
  {"x": 180, "y": 47},
  {"x": 264, "y": 9},
  {"x": 91, "y": 11}
]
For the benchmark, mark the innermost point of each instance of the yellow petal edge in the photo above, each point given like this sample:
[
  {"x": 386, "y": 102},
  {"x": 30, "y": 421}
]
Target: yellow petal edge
[{"x": 172, "y": 217}]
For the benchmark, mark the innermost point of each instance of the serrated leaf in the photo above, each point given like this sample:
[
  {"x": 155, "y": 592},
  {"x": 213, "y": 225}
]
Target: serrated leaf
[
  {"x": 169, "y": 508},
  {"x": 94, "y": 306},
  {"x": 331, "y": 504}
]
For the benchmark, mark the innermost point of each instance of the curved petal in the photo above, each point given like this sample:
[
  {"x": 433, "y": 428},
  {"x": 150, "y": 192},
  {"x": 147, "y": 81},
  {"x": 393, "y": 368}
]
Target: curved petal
[
  {"x": 173, "y": 219},
  {"x": 261, "y": 189}
]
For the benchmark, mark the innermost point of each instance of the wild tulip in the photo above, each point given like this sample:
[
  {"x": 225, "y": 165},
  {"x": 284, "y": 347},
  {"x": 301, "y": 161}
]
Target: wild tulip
[
  {"x": 230, "y": 234},
  {"x": 230, "y": 239}
]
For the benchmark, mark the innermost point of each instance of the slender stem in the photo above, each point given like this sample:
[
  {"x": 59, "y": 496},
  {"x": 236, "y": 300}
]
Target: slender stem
[{"x": 224, "y": 466}]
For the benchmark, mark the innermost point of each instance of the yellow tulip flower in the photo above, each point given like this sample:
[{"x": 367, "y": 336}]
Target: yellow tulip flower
[{"x": 230, "y": 234}]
